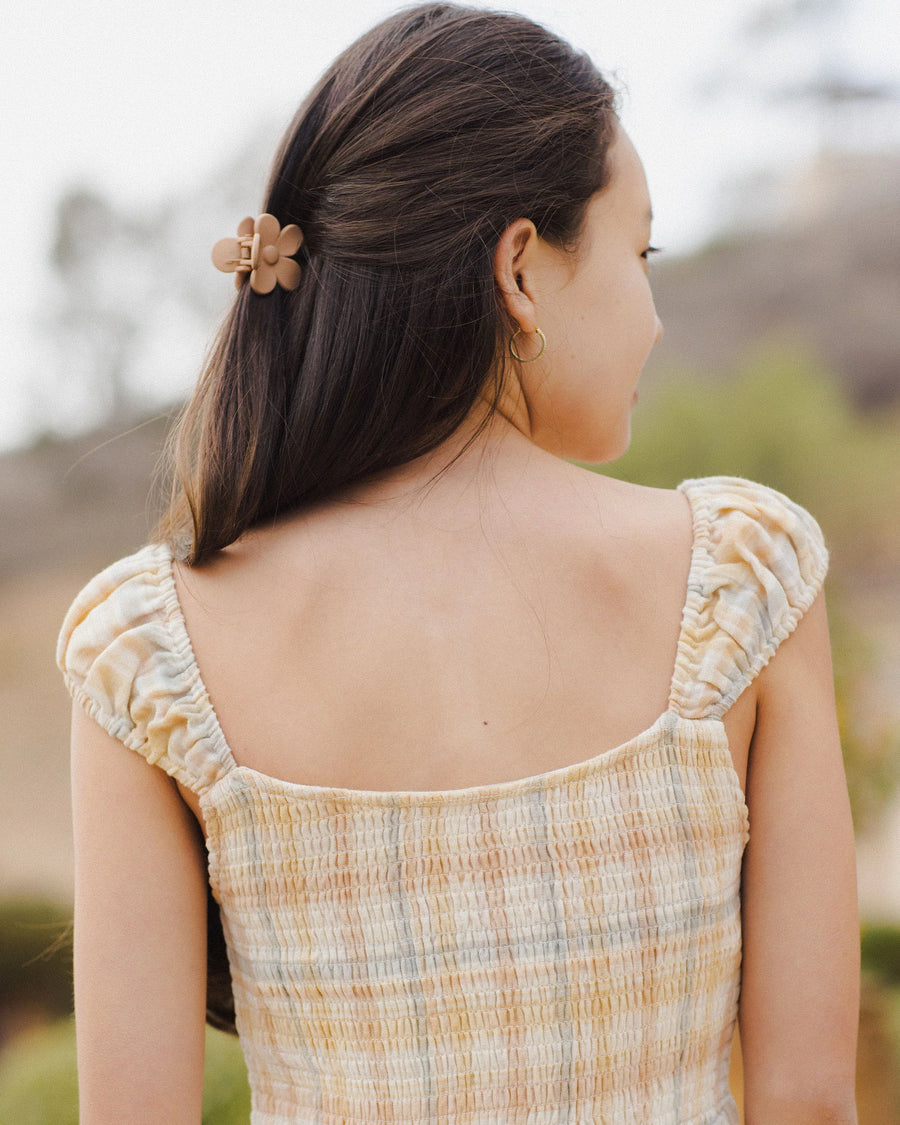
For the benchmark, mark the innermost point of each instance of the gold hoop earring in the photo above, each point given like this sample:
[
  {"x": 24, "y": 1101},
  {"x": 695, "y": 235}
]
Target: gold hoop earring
[{"x": 515, "y": 354}]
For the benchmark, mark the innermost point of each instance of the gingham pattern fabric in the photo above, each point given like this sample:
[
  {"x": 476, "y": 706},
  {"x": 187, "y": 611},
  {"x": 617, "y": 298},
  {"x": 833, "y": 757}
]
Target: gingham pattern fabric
[{"x": 561, "y": 948}]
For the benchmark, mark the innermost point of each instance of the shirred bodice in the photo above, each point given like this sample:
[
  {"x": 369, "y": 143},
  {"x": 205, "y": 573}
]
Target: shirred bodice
[{"x": 563, "y": 947}]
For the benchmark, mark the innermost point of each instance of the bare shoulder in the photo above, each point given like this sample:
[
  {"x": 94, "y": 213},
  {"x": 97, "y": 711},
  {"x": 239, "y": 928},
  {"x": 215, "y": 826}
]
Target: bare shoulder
[
  {"x": 661, "y": 514},
  {"x": 241, "y": 577},
  {"x": 641, "y": 495}
]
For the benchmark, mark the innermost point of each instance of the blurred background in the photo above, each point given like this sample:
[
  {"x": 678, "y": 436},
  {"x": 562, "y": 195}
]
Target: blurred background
[{"x": 135, "y": 136}]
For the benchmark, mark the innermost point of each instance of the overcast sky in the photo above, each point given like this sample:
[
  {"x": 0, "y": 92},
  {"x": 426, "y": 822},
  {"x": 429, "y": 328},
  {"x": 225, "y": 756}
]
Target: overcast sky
[{"x": 143, "y": 101}]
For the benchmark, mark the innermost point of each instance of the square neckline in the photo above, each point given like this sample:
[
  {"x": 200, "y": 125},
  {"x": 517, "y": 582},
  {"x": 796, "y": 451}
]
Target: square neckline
[{"x": 554, "y": 778}]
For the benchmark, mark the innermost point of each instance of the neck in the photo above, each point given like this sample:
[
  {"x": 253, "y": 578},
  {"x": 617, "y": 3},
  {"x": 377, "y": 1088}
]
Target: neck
[{"x": 464, "y": 465}]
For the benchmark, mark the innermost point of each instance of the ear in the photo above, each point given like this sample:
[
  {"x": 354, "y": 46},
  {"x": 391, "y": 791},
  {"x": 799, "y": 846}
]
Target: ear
[{"x": 514, "y": 262}]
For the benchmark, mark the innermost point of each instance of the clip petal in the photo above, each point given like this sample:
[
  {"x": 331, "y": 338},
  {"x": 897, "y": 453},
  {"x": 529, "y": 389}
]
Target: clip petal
[{"x": 263, "y": 250}]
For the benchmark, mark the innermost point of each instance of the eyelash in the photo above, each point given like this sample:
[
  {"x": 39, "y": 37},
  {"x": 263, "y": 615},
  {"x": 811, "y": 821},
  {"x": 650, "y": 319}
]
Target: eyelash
[{"x": 651, "y": 250}]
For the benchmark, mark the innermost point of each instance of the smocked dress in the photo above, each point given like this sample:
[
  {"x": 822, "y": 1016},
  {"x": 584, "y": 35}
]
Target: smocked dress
[{"x": 561, "y": 948}]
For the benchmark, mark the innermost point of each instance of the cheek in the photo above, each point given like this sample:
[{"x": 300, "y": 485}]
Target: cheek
[
  {"x": 623, "y": 334},
  {"x": 622, "y": 312},
  {"x": 637, "y": 327}
]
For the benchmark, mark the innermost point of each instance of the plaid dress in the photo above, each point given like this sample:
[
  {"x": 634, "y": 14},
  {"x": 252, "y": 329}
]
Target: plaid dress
[{"x": 561, "y": 948}]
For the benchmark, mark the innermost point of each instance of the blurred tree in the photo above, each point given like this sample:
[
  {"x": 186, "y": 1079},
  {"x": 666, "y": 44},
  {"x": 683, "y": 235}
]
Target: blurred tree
[
  {"x": 764, "y": 19},
  {"x": 104, "y": 264},
  {"x": 819, "y": 70},
  {"x": 135, "y": 295}
]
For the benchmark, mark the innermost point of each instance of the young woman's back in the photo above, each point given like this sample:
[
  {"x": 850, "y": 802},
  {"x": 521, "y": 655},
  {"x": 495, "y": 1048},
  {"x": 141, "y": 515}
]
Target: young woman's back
[
  {"x": 465, "y": 742},
  {"x": 525, "y": 931}
]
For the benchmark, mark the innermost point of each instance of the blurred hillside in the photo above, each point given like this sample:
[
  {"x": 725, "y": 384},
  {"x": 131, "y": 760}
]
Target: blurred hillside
[
  {"x": 823, "y": 271},
  {"x": 67, "y": 509}
]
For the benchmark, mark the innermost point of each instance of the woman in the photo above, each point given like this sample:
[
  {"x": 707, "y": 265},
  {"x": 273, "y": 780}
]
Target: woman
[{"x": 480, "y": 736}]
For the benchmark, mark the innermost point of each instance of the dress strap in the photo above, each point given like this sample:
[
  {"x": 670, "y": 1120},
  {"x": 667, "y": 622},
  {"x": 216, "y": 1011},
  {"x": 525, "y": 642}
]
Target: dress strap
[
  {"x": 759, "y": 561},
  {"x": 127, "y": 662}
]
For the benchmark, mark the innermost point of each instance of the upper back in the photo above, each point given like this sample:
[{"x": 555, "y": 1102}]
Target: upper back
[{"x": 437, "y": 645}]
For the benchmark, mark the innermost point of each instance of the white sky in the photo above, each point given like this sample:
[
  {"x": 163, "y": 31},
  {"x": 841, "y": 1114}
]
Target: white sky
[{"x": 144, "y": 100}]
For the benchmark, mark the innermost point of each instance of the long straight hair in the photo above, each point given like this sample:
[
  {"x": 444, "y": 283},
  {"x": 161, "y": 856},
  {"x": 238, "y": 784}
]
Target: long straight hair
[{"x": 417, "y": 148}]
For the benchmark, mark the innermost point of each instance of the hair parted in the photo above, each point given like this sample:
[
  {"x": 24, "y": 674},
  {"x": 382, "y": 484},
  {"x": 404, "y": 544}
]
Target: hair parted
[{"x": 416, "y": 149}]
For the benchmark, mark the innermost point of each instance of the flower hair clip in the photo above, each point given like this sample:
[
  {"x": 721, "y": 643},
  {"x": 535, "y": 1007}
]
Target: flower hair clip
[{"x": 263, "y": 250}]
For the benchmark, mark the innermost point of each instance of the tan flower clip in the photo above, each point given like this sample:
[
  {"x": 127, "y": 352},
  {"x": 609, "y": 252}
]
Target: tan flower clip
[{"x": 263, "y": 250}]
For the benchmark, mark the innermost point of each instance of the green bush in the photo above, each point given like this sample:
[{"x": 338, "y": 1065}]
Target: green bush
[
  {"x": 39, "y": 1085},
  {"x": 226, "y": 1092},
  {"x": 881, "y": 953},
  {"x": 38, "y": 1081},
  {"x": 35, "y": 957},
  {"x": 781, "y": 419}
]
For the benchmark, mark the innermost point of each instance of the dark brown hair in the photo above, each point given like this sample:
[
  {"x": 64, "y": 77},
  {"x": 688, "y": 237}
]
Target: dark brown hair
[{"x": 417, "y": 148}]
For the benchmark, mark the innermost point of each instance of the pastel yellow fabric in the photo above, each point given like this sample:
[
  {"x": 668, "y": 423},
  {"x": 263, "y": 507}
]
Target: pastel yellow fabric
[{"x": 564, "y": 947}]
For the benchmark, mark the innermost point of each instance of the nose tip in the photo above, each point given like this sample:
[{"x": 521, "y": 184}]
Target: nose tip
[{"x": 659, "y": 331}]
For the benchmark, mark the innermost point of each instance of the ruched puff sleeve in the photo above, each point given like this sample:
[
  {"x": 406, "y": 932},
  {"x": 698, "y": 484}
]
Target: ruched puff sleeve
[
  {"x": 759, "y": 562},
  {"x": 127, "y": 660}
]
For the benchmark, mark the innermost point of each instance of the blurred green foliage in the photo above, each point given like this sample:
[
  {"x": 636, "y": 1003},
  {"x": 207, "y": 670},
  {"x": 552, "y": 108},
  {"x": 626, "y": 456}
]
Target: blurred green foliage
[
  {"x": 892, "y": 996},
  {"x": 871, "y": 750},
  {"x": 39, "y": 1084},
  {"x": 781, "y": 419},
  {"x": 226, "y": 1092},
  {"x": 880, "y": 947},
  {"x": 35, "y": 957},
  {"x": 38, "y": 1079}
]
